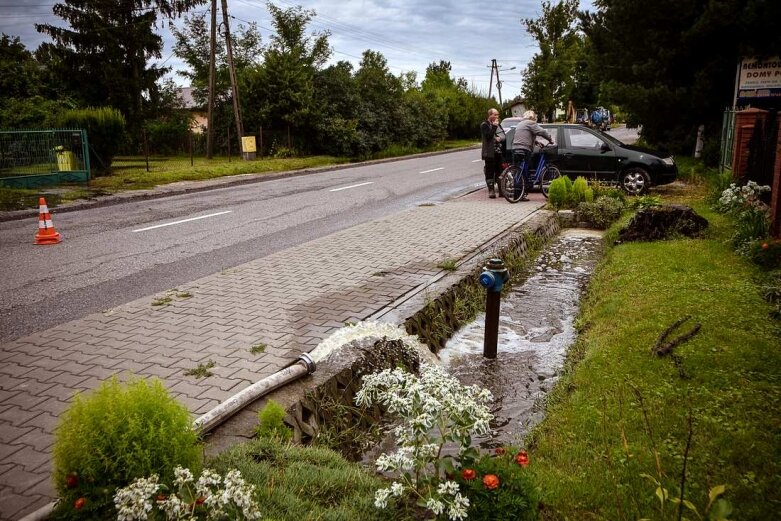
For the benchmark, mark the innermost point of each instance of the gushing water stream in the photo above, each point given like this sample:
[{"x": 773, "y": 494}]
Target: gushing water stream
[{"x": 536, "y": 326}]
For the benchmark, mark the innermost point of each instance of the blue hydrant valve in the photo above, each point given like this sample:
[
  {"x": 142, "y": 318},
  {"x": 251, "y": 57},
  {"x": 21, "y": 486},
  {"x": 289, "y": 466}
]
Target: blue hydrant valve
[
  {"x": 494, "y": 275},
  {"x": 487, "y": 279}
]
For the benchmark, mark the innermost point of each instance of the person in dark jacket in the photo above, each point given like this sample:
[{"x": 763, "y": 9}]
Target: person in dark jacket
[{"x": 492, "y": 152}]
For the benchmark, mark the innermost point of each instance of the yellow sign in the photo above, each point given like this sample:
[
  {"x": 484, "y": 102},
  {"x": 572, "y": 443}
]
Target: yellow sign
[{"x": 248, "y": 144}]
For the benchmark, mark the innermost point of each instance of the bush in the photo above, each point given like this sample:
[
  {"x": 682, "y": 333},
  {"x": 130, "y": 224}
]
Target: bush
[
  {"x": 116, "y": 434},
  {"x": 271, "y": 422},
  {"x": 558, "y": 193},
  {"x": 105, "y": 128},
  {"x": 601, "y": 213},
  {"x": 579, "y": 188},
  {"x": 169, "y": 136},
  {"x": 499, "y": 487},
  {"x": 765, "y": 252}
]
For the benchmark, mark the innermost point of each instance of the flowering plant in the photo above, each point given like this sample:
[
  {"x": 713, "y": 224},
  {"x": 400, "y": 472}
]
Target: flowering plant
[
  {"x": 736, "y": 198},
  {"x": 212, "y": 497},
  {"x": 435, "y": 409},
  {"x": 499, "y": 486}
]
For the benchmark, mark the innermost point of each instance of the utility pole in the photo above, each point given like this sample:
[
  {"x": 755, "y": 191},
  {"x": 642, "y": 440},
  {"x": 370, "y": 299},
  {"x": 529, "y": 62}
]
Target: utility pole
[
  {"x": 232, "y": 70},
  {"x": 495, "y": 67},
  {"x": 490, "y": 85},
  {"x": 212, "y": 74}
]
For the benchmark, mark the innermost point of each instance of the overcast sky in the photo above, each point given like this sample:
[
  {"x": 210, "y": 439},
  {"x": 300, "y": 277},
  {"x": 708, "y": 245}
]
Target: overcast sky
[{"x": 411, "y": 34}]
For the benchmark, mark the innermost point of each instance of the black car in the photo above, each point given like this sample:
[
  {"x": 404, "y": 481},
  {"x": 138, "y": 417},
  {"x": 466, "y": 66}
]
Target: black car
[{"x": 581, "y": 151}]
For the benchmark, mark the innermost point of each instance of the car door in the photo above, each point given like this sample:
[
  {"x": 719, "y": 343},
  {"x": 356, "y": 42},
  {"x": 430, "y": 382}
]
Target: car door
[{"x": 587, "y": 154}]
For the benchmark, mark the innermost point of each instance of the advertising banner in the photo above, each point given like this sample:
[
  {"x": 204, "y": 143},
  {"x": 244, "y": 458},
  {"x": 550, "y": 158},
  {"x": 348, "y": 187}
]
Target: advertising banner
[{"x": 759, "y": 80}]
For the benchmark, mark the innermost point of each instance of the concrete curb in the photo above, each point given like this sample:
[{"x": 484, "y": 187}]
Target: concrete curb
[{"x": 203, "y": 186}]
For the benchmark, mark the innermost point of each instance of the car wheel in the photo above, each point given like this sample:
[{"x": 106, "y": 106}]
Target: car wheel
[{"x": 635, "y": 181}]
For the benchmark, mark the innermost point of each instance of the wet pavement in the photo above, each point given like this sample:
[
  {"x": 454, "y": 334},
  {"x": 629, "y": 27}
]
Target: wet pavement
[{"x": 536, "y": 327}]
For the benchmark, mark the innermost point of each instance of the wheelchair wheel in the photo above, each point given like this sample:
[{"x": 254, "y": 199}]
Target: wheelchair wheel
[{"x": 512, "y": 185}]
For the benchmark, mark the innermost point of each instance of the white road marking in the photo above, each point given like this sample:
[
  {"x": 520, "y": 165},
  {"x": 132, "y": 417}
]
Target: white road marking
[
  {"x": 182, "y": 221},
  {"x": 432, "y": 170},
  {"x": 477, "y": 161},
  {"x": 351, "y": 186}
]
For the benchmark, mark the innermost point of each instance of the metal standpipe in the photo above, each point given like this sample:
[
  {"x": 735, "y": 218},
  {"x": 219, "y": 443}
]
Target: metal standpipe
[{"x": 492, "y": 278}]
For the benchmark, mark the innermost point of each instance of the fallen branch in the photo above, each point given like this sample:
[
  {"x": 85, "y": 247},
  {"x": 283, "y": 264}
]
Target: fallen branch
[{"x": 662, "y": 348}]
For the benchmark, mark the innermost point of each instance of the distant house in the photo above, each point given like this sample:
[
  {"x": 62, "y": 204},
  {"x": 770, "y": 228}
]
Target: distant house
[
  {"x": 517, "y": 109},
  {"x": 199, "y": 121}
]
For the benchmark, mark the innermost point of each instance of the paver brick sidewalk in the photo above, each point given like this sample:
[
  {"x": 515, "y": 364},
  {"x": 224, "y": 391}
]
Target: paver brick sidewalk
[{"x": 288, "y": 301}]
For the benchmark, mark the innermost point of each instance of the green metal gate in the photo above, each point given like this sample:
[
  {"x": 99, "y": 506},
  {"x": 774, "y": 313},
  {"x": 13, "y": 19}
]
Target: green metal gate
[
  {"x": 727, "y": 139},
  {"x": 35, "y": 158}
]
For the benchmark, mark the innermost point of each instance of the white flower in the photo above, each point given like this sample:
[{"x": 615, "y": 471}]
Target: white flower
[
  {"x": 381, "y": 497},
  {"x": 448, "y": 487},
  {"x": 397, "y": 489},
  {"x": 457, "y": 509},
  {"x": 435, "y": 505},
  {"x": 182, "y": 476},
  {"x": 228, "y": 498},
  {"x": 434, "y": 408},
  {"x": 133, "y": 502}
]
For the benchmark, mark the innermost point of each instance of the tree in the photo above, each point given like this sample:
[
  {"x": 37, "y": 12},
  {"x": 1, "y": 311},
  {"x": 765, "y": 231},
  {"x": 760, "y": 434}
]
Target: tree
[
  {"x": 380, "y": 100},
  {"x": 671, "y": 65},
  {"x": 192, "y": 46},
  {"x": 281, "y": 90},
  {"x": 103, "y": 56},
  {"x": 335, "y": 112},
  {"x": 24, "y": 85},
  {"x": 550, "y": 76}
]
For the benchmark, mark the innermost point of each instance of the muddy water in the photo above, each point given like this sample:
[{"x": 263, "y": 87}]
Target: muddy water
[{"x": 535, "y": 330}]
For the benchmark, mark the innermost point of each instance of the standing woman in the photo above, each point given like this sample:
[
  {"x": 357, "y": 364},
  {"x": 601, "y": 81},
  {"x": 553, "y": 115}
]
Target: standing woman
[{"x": 493, "y": 161}]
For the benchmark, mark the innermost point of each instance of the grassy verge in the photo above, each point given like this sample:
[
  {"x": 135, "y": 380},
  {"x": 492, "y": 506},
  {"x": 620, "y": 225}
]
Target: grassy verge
[
  {"x": 303, "y": 484},
  {"x": 130, "y": 173},
  {"x": 620, "y": 416}
]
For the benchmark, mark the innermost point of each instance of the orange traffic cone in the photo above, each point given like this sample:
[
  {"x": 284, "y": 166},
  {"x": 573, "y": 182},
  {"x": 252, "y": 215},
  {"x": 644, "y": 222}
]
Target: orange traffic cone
[{"x": 46, "y": 233}]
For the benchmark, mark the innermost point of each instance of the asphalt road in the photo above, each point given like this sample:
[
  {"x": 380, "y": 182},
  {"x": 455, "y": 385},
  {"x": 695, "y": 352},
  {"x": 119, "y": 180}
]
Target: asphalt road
[{"x": 115, "y": 254}]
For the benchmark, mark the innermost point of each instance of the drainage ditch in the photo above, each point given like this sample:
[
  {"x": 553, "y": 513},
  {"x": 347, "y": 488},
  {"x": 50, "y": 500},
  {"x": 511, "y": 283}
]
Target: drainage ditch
[{"x": 536, "y": 328}]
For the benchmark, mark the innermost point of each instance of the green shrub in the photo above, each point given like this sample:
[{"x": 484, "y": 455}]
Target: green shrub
[
  {"x": 579, "y": 190},
  {"x": 169, "y": 136},
  {"x": 105, "y": 128},
  {"x": 750, "y": 224},
  {"x": 271, "y": 422},
  {"x": 588, "y": 195},
  {"x": 558, "y": 193},
  {"x": 116, "y": 434},
  {"x": 717, "y": 184},
  {"x": 646, "y": 201},
  {"x": 765, "y": 252},
  {"x": 602, "y": 190},
  {"x": 601, "y": 213},
  {"x": 514, "y": 497}
]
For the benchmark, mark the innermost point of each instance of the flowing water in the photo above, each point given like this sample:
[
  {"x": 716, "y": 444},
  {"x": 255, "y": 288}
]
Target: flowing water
[{"x": 536, "y": 326}]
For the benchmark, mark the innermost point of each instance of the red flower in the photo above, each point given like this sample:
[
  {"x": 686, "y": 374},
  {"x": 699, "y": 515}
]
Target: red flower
[
  {"x": 765, "y": 246},
  {"x": 491, "y": 481},
  {"x": 79, "y": 503},
  {"x": 161, "y": 497},
  {"x": 468, "y": 474},
  {"x": 500, "y": 451},
  {"x": 72, "y": 480},
  {"x": 522, "y": 459}
]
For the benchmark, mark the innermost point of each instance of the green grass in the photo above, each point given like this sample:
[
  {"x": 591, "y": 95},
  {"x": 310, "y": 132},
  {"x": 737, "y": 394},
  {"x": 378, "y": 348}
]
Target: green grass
[
  {"x": 447, "y": 265},
  {"x": 305, "y": 484},
  {"x": 618, "y": 406},
  {"x": 129, "y": 173},
  {"x": 202, "y": 370}
]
